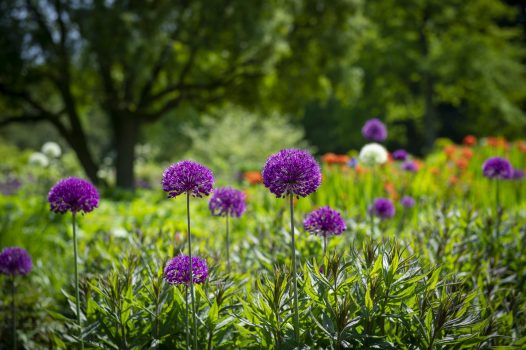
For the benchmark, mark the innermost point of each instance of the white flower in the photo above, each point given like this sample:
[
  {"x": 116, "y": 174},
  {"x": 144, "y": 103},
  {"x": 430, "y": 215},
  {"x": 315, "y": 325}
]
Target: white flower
[
  {"x": 372, "y": 154},
  {"x": 39, "y": 159},
  {"x": 51, "y": 149}
]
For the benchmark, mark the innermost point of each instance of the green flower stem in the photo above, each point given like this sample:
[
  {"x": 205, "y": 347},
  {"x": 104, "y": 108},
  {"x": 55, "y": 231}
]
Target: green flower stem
[
  {"x": 191, "y": 269},
  {"x": 227, "y": 245},
  {"x": 13, "y": 311},
  {"x": 497, "y": 207},
  {"x": 187, "y": 328},
  {"x": 294, "y": 277},
  {"x": 77, "y": 294}
]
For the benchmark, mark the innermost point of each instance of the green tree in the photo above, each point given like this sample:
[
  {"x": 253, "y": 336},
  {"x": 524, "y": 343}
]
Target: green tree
[
  {"x": 126, "y": 64},
  {"x": 434, "y": 68}
]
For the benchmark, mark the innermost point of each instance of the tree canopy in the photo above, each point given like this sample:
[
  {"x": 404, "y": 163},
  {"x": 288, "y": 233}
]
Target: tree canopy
[{"x": 428, "y": 67}]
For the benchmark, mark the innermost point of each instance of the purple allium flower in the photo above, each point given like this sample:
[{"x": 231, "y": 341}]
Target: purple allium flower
[
  {"x": 407, "y": 202},
  {"x": 374, "y": 130},
  {"x": 324, "y": 222},
  {"x": 410, "y": 166},
  {"x": 291, "y": 171},
  {"x": 400, "y": 155},
  {"x": 517, "y": 174},
  {"x": 497, "y": 168},
  {"x": 227, "y": 201},
  {"x": 15, "y": 261},
  {"x": 187, "y": 176},
  {"x": 177, "y": 271},
  {"x": 383, "y": 208},
  {"x": 74, "y": 195},
  {"x": 10, "y": 186}
]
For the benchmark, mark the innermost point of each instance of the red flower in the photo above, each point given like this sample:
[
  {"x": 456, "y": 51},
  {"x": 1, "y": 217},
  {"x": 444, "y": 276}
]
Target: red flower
[
  {"x": 470, "y": 140},
  {"x": 253, "y": 177}
]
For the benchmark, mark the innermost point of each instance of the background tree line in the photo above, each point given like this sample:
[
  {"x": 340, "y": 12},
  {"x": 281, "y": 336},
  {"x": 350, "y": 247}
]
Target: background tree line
[{"x": 106, "y": 75}]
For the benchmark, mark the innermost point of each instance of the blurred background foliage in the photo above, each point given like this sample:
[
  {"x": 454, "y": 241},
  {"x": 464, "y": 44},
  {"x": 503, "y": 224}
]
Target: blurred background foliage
[{"x": 102, "y": 77}]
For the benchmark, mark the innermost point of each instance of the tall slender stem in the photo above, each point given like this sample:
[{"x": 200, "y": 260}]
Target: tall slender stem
[
  {"x": 227, "y": 245},
  {"x": 294, "y": 277},
  {"x": 497, "y": 208},
  {"x": 191, "y": 269},
  {"x": 325, "y": 245},
  {"x": 371, "y": 216},
  {"x": 77, "y": 294},
  {"x": 187, "y": 327},
  {"x": 13, "y": 310}
]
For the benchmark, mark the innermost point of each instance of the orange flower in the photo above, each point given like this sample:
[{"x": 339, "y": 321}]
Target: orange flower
[
  {"x": 328, "y": 158},
  {"x": 462, "y": 163},
  {"x": 331, "y": 158},
  {"x": 453, "y": 180},
  {"x": 450, "y": 151},
  {"x": 434, "y": 171},
  {"x": 360, "y": 169},
  {"x": 467, "y": 153},
  {"x": 470, "y": 140},
  {"x": 253, "y": 177},
  {"x": 492, "y": 141},
  {"x": 499, "y": 142},
  {"x": 521, "y": 145}
]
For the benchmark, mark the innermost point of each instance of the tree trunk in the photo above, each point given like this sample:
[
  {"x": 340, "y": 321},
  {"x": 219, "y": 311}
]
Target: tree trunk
[
  {"x": 126, "y": 132},
  {"x": 80, "y": 146}
]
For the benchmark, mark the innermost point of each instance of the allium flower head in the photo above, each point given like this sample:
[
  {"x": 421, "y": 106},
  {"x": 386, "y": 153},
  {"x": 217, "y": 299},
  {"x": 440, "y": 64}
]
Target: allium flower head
[
  {"x": 291, "y": 171},
  {"x": 324, "y": 222},
  {"x": 400, "y": 155},
  {"x": 410, "y": 166},
  {"x": 382, "y": 208},
  {"x": 177, "y": 271},
  {"x": 227, "y": 201},
  {"x": 51, "y": 149},
  {"x": 39, "y": 159},
  {"x": 497, "y": 168},
  {"x": 372, "y": 154},
  {"x": 74, "y": 195},
  {"x": 15, "y": 261},
  {"x": 374, "y": 130},
  {"x": 407, "y": 202},
  {"x": 187, "y": 176}
]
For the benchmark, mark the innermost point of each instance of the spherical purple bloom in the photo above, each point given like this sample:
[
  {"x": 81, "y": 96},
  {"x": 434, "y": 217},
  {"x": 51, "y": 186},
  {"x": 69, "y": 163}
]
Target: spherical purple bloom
[
  {"x": 177, "y": 271},
  {"x": 497, "y": 168},
  {"x": 517, "y": 174},
  {"x": 374, "y": 130},
  {"x": 410, "y": 166},
  {"x": 407, "y": 202},
  {"x": 400, "y": 155},
  {"x": 383, "y": 208},
  {"x": 15, "y": 261},
  {"x": 187, "y": 177},
  {"x": 324, "y": 222},
  {"x": 291, "y": 171},
  {"x": 74, "y": 195},
  {"x": 227, "y": 201}
]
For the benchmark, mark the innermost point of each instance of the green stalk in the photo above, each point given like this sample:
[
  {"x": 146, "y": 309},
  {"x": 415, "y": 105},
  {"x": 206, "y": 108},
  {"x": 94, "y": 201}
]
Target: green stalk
[
  {"x": 325, "y": 245},
  {"x": 294, "y": 277},
  {"x": 187, "y": 328},
  {"x": 227, "y": 246},
  {"x": 497, "y": 206},
  {"x": 77, "y": 294},
  {"x": 13, "y": 310},
  {"x": 191, "y": 269}
]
